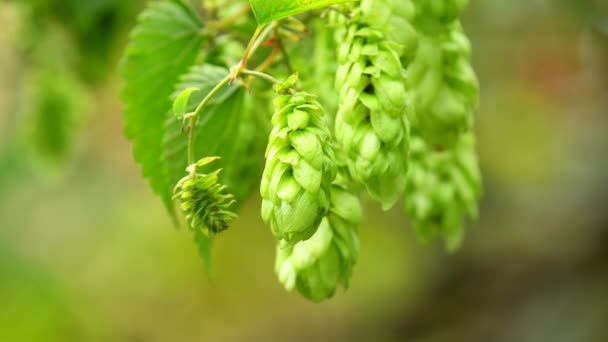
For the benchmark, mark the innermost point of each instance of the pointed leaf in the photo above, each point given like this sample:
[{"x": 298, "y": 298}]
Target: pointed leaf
[{"x": 162, "y": 46}]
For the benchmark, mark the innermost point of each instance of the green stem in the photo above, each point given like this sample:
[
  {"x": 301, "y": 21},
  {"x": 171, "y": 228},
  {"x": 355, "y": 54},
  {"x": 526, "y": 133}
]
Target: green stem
[
  {"x": 255, "y": 42},
  {"x": 196, "y": 114},
  {"x": 260, "y": 34},
  {"x": 261, "y": 75},
  {"x": 251, "y": 47}
]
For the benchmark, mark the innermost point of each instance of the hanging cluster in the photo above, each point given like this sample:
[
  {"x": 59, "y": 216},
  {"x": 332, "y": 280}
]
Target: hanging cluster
[
  {"x": 444, "y": 183},
  {"x": 440, "y": 74},
  {"x": 299, "y": 166},
  {"x": 205, "y": 203},
  {"x": 401, "y": 92},
  {"x": 313, "y": 218},
  {"x": 372, "y": 124}
]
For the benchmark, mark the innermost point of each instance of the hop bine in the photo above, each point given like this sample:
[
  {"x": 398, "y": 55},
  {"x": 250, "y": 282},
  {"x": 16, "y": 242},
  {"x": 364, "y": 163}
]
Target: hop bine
[
  {"x": 371, "y": 124},
  {"x": 299, "y": 167},
  {"x": 317, "y": 266},
  {"x": 205, "y": 202},
  {"x": 443, "y": 189}
]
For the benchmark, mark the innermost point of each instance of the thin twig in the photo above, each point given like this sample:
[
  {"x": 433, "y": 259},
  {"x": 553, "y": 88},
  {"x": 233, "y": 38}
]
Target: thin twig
[
  {"x": 196, "y": 114},
  {"x": 261, "y": 75}
]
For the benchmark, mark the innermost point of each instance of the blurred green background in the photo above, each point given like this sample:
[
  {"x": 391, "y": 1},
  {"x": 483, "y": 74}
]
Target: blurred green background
[{"x": 87, "y": 252}]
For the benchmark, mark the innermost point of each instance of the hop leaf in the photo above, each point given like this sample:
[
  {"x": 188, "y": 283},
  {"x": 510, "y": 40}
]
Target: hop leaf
[
  {"x": 443, "y": 189},
  {"x": 299, "y": 166},
  {"x": 204, "y": 202},
  {"x": 162, "y": 46},
  {"x": 317, "y": 266},
  {"x": 371, "y": 124}
]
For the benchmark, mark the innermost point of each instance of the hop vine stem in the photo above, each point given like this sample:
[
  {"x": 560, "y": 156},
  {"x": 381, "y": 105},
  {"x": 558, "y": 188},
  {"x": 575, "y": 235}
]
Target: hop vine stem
[
  {"x": 196, "y": 114},
  {"x": 261, "y": 75},
  {"x": 260, "y": 34}
]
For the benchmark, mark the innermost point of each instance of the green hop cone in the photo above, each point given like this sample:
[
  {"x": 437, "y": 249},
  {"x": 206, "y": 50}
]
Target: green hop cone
[
  {"x": 204, "y": 201},
  {"x": 299, "y": 166},
  {"x": 446, "y": 90},
  {"x": 371, "y": 124},
  {"x": 443, "y": 189},
  {"x": 317, "y": 266}
]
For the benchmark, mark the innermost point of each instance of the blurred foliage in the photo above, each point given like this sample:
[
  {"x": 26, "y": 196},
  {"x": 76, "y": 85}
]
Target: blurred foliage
[
  {"x": 95, "y": 28},
  {"x": 95, "y": 258},
  {"x": 34, "y": 307}
]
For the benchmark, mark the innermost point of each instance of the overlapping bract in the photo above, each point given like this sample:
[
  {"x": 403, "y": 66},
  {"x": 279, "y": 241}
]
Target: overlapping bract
[
  {"x": 299, "y": 168},
  {"x": 317, "y": 266},
  {"x": 443, "y": 189},
  {"x": 371, "y": 124},
  {"x": 440, "y": 74},
  {"x": 203, "y": 200}
]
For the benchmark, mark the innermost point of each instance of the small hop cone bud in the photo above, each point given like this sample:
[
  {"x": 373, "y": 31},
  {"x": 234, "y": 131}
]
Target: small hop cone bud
[
  {"x": 299, "y": 166},
  {"x": 204, "y": 202},
  {"x": 371, "y": 124},
  {"x": 317, "y": 266},
  {"x": 446, "y": 89},
  {"x": 443, "y": 189}
]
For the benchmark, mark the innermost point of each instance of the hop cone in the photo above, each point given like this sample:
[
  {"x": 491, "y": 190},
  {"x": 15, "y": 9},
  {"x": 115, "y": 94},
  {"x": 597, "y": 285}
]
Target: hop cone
[
  {"x": 203, "y": 200},
  {"x": 443, "y": 189},
  {"x": 317, "y": 266},
  {"x": 371, "y": 123},
  {"x": 444, "y": 83},
  {"x": 299, "y": 166}
]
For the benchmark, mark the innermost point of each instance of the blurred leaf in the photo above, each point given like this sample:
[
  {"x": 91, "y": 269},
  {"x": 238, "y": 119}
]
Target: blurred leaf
[
  {"x": 267, "y": 11},
  {"x": 56, "y": 110},
  {"x": 163, "y": 45},
  {"x": 34, "y": 307}
]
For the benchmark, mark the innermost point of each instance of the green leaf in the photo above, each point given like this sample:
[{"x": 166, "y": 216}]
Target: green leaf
[
  {"x": 267, "y": 11},
  {"x": 181, "y": 102},
  {"x": 162, "y": 46}
]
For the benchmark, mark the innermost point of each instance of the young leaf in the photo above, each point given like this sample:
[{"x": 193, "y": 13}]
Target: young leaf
[
  {"x": 267, "y": 11},
  {"x": 162, "y": 46},
  {"x": 181, "y": 102}
]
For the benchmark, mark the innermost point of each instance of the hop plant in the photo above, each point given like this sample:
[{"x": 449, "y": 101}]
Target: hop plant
[
  {"x": 299, "y": 167},
  {"x": 443, "y": 189},
  {"x": 205, "y": 203},
  {"x": 379, "y": 66},
  {"x": 371, "y": 123},
  {"x": 445, "y": 87},
  {"x": 317, "y": 266}
]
